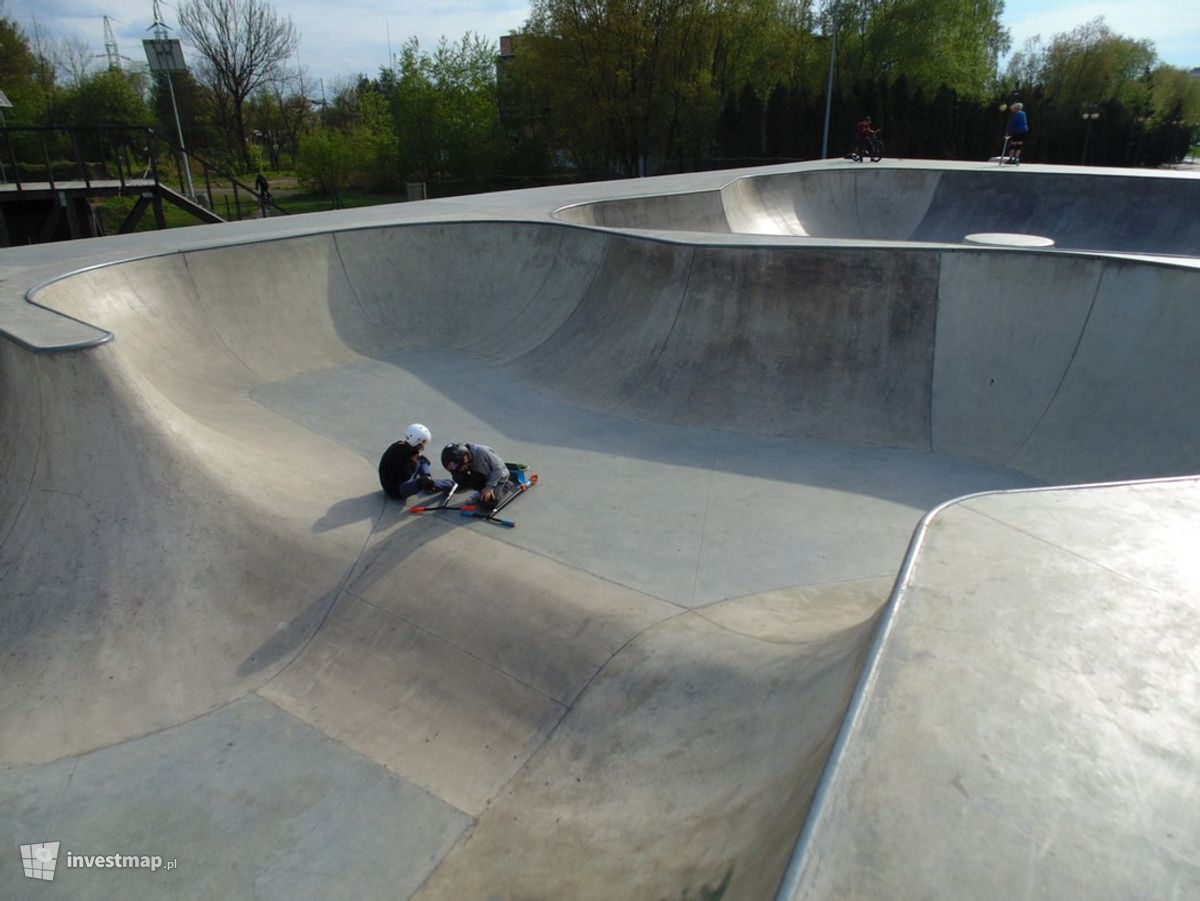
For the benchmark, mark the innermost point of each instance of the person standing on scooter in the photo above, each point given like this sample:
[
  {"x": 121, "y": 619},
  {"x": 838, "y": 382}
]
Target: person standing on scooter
[{"x": 1018, "y": 131}]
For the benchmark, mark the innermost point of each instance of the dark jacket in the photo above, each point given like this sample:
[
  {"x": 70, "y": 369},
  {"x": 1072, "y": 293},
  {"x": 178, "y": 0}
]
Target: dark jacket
[{"x": 397, "y": 466}]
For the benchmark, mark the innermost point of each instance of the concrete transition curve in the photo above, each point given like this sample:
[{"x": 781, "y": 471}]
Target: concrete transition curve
[{"x": 701, "y": 665}]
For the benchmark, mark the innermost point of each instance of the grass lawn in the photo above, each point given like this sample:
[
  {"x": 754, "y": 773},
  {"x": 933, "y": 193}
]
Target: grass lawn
[{"x": 291, "y": 198}]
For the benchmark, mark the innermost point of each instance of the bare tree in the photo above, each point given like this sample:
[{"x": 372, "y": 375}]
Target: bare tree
[
  {"x": 296, "y": 109},
  {"x": 74, "y": 58},
  {"x": 44, "y": 69},
  {"x": 243, "y": 44}
]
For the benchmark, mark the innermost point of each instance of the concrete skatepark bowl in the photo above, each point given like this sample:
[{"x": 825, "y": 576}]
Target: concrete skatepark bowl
[{"x": 799, "y": 607}]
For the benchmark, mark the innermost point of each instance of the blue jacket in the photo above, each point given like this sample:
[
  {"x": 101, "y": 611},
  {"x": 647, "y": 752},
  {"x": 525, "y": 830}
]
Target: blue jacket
[{"x": 1017, "y": 124}]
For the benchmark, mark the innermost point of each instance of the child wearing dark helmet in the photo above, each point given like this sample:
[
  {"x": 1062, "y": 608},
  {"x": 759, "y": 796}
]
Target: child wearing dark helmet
[
  {"x": 404, "y": 470},
  {"x": 479, "y": 468}
]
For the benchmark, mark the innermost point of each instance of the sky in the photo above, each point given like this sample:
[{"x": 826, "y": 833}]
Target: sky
[{"x": 341, "y": 39}]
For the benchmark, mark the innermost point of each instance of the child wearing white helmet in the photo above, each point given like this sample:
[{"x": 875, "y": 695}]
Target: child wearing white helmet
[{"x": 404, "y": 470}]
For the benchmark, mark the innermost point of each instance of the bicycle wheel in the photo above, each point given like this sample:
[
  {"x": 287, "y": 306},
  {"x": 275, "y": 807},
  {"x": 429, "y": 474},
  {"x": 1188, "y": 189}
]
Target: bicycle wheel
[{"x": 876, "y": 150}]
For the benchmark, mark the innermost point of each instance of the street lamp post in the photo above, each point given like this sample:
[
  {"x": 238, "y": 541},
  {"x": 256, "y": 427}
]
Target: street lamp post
[
  {"x": 5, "y": 103},
  {"x": 165, "y": 55},
  {"x": 829, "y": 83},
  {"x": 1089, "y": 115}
]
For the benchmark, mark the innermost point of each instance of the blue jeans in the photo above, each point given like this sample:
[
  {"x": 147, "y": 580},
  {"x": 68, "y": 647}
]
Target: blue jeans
[
  {"x": 476, "y": 480},
  {"x": 423, "y": 472}
]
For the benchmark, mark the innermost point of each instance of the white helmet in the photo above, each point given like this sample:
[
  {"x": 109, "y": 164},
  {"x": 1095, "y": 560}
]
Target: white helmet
[{"x": 416, "y": 434}]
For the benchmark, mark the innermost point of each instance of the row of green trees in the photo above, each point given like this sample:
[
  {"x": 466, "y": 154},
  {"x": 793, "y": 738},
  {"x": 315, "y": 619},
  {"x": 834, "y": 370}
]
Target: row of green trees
[
  {"x": 431, "y": 117},
  {"x": 626, "y": 85},
  {"x": 677, "y": 84},
  {"x": 1092, "y": 96},
  {"x": 600, "y": 88},
  {"x": 1140, "y": 111}
]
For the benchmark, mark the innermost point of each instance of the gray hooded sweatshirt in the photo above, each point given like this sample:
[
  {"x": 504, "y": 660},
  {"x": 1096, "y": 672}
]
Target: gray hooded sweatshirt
[{"x": 485, "y": 461}]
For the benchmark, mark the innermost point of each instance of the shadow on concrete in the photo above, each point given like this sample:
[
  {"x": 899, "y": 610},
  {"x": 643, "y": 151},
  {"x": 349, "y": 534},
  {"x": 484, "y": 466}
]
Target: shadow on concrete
[
  {"x": 291, "y": 637},
  {"x": 351, "y": 510},
  {"x": 435, "y": 379},
  {"x": 384, "y": 552}
]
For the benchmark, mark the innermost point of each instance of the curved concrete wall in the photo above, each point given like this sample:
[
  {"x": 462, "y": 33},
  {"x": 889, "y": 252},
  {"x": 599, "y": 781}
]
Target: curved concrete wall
[
  {"x": 141, "y": 549},
  {"x": 1148, "y": 213},
  {"x": 698, "y": 211},
  {"x": 1083, "y": 373},
  {"x": 1003, "y": 357},
  {"x": 18, "y": 433},
  {"x": 833, "y": 343},
  {"x": 1137, "y": 213}
]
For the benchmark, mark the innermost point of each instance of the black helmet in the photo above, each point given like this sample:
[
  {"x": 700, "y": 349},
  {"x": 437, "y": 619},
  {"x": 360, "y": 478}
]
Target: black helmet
[{"x": 454, "y": 456}]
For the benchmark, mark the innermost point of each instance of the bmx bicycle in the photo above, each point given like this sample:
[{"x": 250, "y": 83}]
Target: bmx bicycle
[{"x": 872, "y": 147}]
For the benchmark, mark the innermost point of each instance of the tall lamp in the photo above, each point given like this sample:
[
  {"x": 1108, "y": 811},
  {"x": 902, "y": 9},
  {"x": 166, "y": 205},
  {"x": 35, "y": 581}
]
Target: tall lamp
[
  {"x": 5, "y": 103},
  {"x": 1089, "y": 115},
  {"x": 165, "y": 56},
  {"x": 829, "y": 82}
]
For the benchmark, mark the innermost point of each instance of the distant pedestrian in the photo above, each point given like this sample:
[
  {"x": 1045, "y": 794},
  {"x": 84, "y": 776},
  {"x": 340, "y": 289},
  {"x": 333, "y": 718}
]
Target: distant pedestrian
[
  {"x": 1017, "y": 132},
  {"x": 263, "y": 187}
]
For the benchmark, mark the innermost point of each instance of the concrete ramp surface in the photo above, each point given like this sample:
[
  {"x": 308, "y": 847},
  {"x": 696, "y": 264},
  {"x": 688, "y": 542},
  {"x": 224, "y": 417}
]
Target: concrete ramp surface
[
  {"x": 1127, "y": 210},
  {"x": 224, "y": 647}
]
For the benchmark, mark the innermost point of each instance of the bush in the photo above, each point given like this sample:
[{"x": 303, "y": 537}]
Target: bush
[{"x": 326, "y": 160}]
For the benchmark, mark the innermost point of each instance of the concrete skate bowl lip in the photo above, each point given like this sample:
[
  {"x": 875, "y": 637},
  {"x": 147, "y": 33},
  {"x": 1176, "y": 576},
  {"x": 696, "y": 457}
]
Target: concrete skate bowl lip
[
  {"x": 997, "y": 351},
  {"x": 828, "y": 804},
  {"x": 1101, "y": 210}
]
